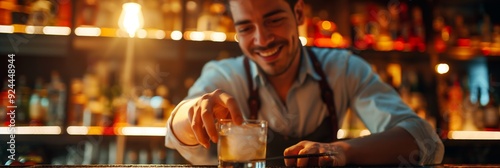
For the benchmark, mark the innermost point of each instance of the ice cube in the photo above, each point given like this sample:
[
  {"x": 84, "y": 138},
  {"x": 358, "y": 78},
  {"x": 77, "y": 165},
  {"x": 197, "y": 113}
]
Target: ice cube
[{"x": 244, "y": 142}]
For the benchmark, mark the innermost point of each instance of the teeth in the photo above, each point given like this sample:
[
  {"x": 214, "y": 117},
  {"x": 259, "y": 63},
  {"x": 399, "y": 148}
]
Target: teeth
[{"x": 269, "y": 52}]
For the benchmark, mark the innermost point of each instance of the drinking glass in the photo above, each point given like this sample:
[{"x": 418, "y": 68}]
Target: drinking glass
[{"x": 242, "y": 146}]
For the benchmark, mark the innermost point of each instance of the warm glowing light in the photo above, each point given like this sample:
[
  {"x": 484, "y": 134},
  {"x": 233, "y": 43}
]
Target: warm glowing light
[
  {"x": 191, "y": 5},
  {"x": 218, "y": 36},
  {"x": 196, "y": 36},
  {"x": 476, "y": 135},
  {"x": 399, "y": 45},
  {"x": 394, "y": 69},
  {"x": 131, "y": 18},
  {"x": 88, "y": 31},
  {"x": 384, "y": 43},
  {"x": 141, "y": 33},
  {"x": 85, "y": 130},
  {"x": 142, "y": 131},
  {"x": 364, "y": 132},
  {"x": 33, "y": 130},
  {"x": 445, "y": 35},
  {"x": 77, "y": 130},
  {"x": 442, "y": 68},
  {"x": 56, "y": 30},
  {"x": 6, "y": 29},
  {"x": 303, "y": 40},
  {"x": 341, "y": 134},
  {"x": 30, "y": 29},
  {"x": 176, "y": 35},
  {"x": 156, "y": 101},
  {"x": 160, "y": 34},
  {"x": 337, "y": 39},
  {"x": 326, "y": 25}
]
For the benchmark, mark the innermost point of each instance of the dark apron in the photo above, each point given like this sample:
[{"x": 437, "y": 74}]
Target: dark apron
[{"x": 277, "y": 143}]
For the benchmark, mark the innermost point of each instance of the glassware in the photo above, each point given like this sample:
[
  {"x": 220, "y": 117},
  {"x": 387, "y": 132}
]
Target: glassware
[{"x": 242, "y": 146}]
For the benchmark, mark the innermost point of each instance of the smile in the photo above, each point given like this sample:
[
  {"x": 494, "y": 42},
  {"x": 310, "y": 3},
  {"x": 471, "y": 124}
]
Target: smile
[{"x": 269, "y": 52}]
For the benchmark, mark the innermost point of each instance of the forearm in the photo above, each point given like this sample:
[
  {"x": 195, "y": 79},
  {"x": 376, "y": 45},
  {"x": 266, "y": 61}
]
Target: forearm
[
  {"x": 180, "y": 124},
  {"x": 179, "y": 134},
  {"x": 394, "y": 146}
]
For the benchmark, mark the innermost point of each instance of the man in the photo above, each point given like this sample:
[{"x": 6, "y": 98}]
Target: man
[{"x": 289, "y": 82}]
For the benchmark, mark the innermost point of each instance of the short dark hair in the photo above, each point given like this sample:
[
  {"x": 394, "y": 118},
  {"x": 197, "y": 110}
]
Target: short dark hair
[{"x": 290, "y": 2}]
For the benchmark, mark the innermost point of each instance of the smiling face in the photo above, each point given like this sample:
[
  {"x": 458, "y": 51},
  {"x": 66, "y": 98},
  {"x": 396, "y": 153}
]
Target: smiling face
[{"x": 267, "y": 33}]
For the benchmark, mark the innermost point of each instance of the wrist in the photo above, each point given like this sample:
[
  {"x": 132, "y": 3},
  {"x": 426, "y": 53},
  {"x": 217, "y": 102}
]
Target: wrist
[
  {"x": 344, "y": 151},
  {"x": 181, "y": 126}
]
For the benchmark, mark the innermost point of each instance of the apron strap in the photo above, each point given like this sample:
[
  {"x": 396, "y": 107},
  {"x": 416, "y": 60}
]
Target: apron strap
[
  {"x": 253, "y": 99},
  {"x": 326, "y": 93}
]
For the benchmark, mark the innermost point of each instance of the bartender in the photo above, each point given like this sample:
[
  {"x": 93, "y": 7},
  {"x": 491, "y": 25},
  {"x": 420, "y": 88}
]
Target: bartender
[{"x": 303, "y": 93}]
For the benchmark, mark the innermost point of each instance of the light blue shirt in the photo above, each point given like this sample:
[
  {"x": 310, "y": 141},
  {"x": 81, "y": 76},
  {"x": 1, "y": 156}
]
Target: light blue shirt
[{"x": 355, "y": 86}]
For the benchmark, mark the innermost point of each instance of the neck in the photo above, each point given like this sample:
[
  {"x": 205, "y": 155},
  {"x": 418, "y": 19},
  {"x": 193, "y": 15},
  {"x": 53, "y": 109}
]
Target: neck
[{"x": 283, "y": 82}]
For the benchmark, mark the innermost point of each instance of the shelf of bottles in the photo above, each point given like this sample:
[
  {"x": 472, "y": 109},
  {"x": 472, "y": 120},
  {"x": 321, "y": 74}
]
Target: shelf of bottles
[
  {"x": 91, "y": 105},
  {"x": 162, "y": 19}
]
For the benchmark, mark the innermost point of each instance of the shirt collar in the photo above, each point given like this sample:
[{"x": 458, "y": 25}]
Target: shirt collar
[{"x": 306, "y": 68}]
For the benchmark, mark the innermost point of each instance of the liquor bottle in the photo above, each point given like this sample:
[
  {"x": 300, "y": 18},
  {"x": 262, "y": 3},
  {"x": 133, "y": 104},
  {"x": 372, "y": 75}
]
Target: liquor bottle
[
  {"x": 495, "y": 45},
  {"x": 455, "y": 97},
  {"x": 160, "y": 103},
  {"x": 418, "y": 35},
  {"x": 144, "y": 108},
  {"x": 404, "y": 27},
  {"x": 64, "y": 13},
  {"x": 4, "y": 103},
  {"x": 358, "y": 22},
  {"x": 171, "y": 14},
  {"x": 485, "y": 30},
  {"x": 57, "y": 100},
  {"x": 461, "y": 36},
  {"x": 208, "y": 19},
  {"x": 38, "y": 104},
  {"x": 77, "y": 102},
  {"x": 20, "y": 16},
  {"x": 479, "y": 118},
  {"x": 6, "y": 11},
  {"x": 92, "y": 114},
  {"x": 491, "y": 110},
  {"x": 88, "y": 13},
  {"x": 470, "y": 108},
  {"x": 22, "y": 101},
  {"x": 441, "y": 35},
  {"x": 41, "y": 13}
]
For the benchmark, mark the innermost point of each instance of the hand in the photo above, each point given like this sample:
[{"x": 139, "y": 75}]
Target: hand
[
  {"x": 207, "y": 110},
  {"x": 309, "y": 147}
]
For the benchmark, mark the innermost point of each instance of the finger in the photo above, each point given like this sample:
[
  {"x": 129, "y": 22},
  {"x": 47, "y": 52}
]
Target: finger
[
  {"x": 198, "y": 130},
  {"x": 301, "y": 162},
  {"x": 326, "y": 161},
  {"x": 208, "y": 119},
  {"x": 221, "y": 113},
  {"x": 292, "y": 150},
  {"x": 230, "y": 103}
]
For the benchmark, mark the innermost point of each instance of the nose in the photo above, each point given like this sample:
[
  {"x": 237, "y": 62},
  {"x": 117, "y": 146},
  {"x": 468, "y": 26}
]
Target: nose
[{"x": 263, "y": 37}]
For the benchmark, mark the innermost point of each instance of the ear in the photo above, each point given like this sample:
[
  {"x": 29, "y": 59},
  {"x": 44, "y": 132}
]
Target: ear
[{"x": 299, "y": 12}]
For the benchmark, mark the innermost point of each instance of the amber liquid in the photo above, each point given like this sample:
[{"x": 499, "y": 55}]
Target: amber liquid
[{"x": 245, "y": 154}]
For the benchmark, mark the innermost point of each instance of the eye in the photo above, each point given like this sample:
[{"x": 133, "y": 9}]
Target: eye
[
  {"x": 275, "y": 22},
  {"x": 243, "y": 29}
]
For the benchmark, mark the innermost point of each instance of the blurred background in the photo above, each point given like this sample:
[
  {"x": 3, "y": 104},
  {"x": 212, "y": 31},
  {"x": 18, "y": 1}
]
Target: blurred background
[{"x": 96, "y": 80}]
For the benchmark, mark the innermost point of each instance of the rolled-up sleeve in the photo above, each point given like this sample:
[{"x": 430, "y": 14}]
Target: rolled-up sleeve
[
  {"x": 380, "y": 107},
  {"x": 196, "y": 154},
  {"x": 213, "y": 76},
  {"x": 431, "y": 148}
]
